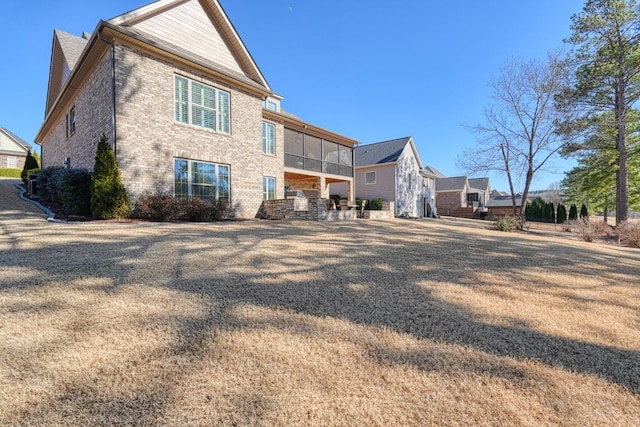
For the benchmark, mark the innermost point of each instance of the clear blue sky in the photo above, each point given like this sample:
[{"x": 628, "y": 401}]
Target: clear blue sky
[{"x": 369, "y": 69}]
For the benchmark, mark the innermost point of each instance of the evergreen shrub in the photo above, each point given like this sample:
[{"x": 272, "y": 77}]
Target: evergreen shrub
[{"x": 109, "y": 199}]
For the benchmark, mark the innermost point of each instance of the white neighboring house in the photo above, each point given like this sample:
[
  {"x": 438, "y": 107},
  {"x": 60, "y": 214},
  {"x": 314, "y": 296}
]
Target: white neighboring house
[
  {"x": 13, "y": 150},
  {"x": 392, "y": 170}
]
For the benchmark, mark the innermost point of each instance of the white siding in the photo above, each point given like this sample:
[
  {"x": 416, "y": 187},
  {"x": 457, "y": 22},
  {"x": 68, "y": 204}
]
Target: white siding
[{"x": 189, "y": 27}]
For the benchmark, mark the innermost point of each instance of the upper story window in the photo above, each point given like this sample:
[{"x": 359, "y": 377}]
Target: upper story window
[
  {"x": 370, "y": 177},
  {"x": 72, "y": 121},
  {"x": 271, "y": 104},
  {"x": 268, "y": 138},
  {"x": 201, "y": 105}
]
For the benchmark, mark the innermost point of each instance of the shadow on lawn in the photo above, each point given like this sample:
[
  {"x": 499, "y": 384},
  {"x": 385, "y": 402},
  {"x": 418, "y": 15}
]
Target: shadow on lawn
[{"x": 352, "y": 279}]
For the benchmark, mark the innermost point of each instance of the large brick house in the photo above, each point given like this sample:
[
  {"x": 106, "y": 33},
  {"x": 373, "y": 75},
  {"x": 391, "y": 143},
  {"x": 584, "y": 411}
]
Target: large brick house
[{"x": 186, "y": 110}]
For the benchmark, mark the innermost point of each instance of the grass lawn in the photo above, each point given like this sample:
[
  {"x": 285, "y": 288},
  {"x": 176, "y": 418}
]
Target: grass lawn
[{"x": 275, "y": 323}]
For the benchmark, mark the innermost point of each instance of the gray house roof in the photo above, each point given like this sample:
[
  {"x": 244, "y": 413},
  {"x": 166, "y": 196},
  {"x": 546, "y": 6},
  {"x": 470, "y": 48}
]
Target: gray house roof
[
  {"x": 503, "y": 201},
  {"x": 72, "y": 46},
  {"x": 380, "y": 152},
  {"x": 456, "y": 183},
  {"x": 479, "y": 183},
  {"x": 430, "y": 170},
  {"x": 17, "y": 139}
]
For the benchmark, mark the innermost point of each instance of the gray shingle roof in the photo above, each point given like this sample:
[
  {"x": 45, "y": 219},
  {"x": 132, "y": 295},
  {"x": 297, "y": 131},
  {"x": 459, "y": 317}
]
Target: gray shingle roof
[
  {"x": 380, "y": 152},
  {"x": 72, "y": 46},
  {"x": 430, "y": 170},
  {"x": 479, "y": 183},
  {"x": 503, "y": 201},
  {"x": 17, "y": 139},
  {"x": 451, "y": 184}
]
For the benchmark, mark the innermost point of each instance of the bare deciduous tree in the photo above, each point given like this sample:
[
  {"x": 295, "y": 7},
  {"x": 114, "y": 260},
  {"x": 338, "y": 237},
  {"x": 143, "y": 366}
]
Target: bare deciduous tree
[{"x": 518, "y": 135}]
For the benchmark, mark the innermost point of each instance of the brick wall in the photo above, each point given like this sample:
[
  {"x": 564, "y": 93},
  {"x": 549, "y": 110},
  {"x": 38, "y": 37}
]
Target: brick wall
[
  {"x": 94, "y": 107},
  {"x": 148, "y": 137},
  {"x": 448, "y": 201}
]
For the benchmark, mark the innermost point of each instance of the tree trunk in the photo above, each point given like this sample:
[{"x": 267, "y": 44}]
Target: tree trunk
[{"x": 622, "y": 202}]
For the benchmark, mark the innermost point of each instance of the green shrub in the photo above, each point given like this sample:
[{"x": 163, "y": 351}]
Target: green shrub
[
  {"x": 49, "y": 181},
  {"x": 584, "y": 213},
  {"x": 508, "y": 223},
  {"x": 629, "y": 234},
  {"x": 109, "y": 199},
  {"x": 376, "y": 204},
  {"x": 573, "y": 212},
  {"x": 562, "y": 214},
  {"x": 11, "y": 172},
  {"x": 30, "y": 163},
  {"x": 75, "y": 191}
]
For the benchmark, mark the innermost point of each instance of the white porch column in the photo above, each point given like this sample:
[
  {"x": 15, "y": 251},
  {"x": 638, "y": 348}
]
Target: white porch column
[{"x": 324, "y": 188}]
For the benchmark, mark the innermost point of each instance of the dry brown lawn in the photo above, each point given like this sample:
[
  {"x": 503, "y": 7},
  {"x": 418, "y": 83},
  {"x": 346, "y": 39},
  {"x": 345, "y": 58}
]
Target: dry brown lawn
[{"x": 274, "y": 323}]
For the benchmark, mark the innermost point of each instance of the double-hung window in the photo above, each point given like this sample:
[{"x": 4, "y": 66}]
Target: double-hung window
[
  {"x": 268, "y": 138},
  {"x": 201, "y": 105},
  {"x": 209, "y": 181},
  {"x": 268, "y": 188}
]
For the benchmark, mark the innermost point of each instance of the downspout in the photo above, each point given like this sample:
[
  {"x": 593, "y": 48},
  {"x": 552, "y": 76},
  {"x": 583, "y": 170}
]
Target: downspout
[{"x": 113, "y": 92}]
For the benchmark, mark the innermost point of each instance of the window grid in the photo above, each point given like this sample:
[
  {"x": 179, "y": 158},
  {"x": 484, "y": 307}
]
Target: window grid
[
  {"x": 201, "y": 105},
  {"x": 72, "y": 121},
  {"x": 268, "y": 188},
  {"x": 204, "y": 180},
  {"x": 268, "y": 138}
]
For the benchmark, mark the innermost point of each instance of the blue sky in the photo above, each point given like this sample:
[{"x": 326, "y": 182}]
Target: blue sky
[{"x": 372, "y": 70}]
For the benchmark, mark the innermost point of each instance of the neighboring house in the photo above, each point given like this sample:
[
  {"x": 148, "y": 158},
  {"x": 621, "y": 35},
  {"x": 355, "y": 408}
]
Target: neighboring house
[
  {"x": 478, "y": 193},
  {"x": 186, "y": 110},
  {"x": 13, "y": 150},
  {"x": 392, "y": 170},
  {"x": 461, "y": 196},
  {"x": 502, "y": 205}
]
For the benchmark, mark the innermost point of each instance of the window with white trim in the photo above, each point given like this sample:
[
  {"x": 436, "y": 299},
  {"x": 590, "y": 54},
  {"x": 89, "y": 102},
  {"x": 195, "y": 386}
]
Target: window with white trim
[
  {"x": 12, "y": 162},
  {"x": 268, "y": 188},
  {"x": 201, "y": 105},
  {"x": 209, "y": 181},
  {"x": 370, "y": 177},
  {"x": 268, "y": 138}
]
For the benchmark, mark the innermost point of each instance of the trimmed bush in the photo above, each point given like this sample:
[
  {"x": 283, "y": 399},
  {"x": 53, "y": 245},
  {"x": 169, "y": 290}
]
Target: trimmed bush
[
  {"x": 508, "y": 223},
  {"x": 75, "y": 191},
  {"x": 109, "y": 199},
  {"x": 155, "y": 207},
  {"x": 49, "y": 181},
  {"x": 11, "y": 172},
  {"x": 30, "y": 163},
  {"x": 629, "y": 234},
  {"x": 375, "y": 204},
  {"x": 165, "y": 207}
]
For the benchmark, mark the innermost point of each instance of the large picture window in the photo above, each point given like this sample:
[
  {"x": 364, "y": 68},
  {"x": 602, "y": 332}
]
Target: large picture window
[
  {"x": 268, "y": 138},
  {"x": 209, "y": 181},
  {"x": 201, "y": 105}
]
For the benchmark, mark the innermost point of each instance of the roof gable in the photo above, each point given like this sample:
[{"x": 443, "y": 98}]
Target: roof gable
[
  {"x": 479, "y": 183},
  {"x": 380, "y": 152},
  {"x": 13, "y": 143},
  {"x": 433, "y": 172},
  {"x": 200, "y": 27},
  {"x": 65, "y": 51}
]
